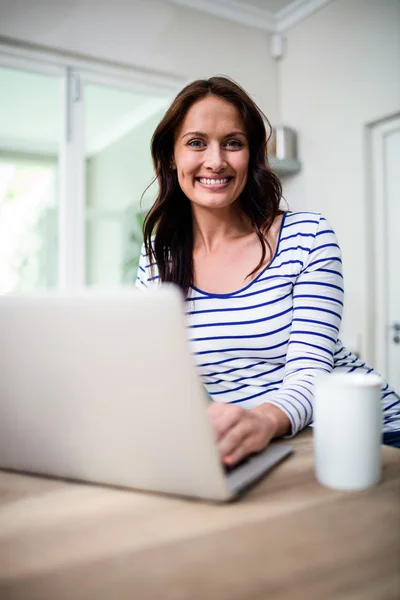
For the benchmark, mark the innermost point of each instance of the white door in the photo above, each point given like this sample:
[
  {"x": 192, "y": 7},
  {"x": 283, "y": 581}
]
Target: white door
[
  {"x": 392, "y": 176},
  {"x": 386, "y": 227}
]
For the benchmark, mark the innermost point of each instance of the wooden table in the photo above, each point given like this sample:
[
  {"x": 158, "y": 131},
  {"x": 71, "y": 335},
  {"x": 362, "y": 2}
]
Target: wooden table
[{"x": 288, "y": 538}]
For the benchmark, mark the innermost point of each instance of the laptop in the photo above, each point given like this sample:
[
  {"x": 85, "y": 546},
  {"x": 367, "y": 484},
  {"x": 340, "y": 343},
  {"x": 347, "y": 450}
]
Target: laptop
[{"x": 100, "y": 386}]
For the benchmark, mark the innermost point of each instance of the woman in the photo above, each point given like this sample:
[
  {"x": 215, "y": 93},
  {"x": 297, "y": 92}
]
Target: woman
[{"x": 263, "y": 287}]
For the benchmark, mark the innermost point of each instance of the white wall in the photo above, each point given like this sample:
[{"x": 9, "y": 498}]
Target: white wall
[
  {"x": 150, "y": 34},
  {"x": 342, "y": 71}
]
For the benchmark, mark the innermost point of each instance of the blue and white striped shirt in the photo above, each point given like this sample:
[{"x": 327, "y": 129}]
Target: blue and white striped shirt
[{"x": 268, "y": 340}]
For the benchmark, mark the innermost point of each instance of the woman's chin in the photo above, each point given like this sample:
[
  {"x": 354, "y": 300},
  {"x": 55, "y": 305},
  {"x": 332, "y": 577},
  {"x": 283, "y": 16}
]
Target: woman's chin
[{"x": 213, "y": 201}]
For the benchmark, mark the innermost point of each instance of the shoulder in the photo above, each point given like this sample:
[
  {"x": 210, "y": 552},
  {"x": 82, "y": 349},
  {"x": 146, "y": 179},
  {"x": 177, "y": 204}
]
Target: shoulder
[
  {"x": 301, "y": 222},
  {"x": 305, "y": 225},
  {"x": 305, "y": 235},
  {"x": 299, "y": 229}
]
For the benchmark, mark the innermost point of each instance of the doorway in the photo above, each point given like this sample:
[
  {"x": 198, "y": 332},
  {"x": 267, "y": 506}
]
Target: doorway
[{"x": 384, "y": 228}]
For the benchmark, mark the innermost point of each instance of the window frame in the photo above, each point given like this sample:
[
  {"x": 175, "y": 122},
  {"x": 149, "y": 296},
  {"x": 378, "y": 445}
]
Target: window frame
[{"x": 74, "y": 73}]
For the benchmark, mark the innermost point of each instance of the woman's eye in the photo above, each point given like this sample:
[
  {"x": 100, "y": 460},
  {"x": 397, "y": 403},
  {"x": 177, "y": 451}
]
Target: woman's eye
[
  {"x": 234, "y": 144},
  {"x": 195, "y": 143}
]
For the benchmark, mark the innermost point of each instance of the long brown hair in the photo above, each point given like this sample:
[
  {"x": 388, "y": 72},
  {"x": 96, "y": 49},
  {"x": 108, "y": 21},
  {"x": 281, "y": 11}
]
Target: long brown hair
[{"x": 168, "y": 230}]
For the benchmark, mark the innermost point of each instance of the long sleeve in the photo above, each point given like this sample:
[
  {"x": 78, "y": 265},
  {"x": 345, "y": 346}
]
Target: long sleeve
[
  {"x": 317, "y": 311},
  {"x": 142, "y": 272},
  {"x": 147, "y": 273}
]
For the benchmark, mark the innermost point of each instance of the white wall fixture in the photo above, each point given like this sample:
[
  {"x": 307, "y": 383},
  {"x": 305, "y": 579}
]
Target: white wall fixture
[
  {"x": 277, "y": 45},
  {"x": 282, "y": 154}
]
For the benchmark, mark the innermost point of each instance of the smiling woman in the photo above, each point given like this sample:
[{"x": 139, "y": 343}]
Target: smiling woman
[
  {"x": 209, "y": 140},
  {"x": 212, "y": 163},
  {"x": 264, "y": 289}
]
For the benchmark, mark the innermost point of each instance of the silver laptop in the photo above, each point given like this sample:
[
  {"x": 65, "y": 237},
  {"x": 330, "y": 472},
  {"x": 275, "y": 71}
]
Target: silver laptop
[{"x": 101, "y": 387}]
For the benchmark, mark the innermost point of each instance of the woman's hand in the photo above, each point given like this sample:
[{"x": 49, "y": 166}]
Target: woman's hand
[{"x": 241, "y": 432}]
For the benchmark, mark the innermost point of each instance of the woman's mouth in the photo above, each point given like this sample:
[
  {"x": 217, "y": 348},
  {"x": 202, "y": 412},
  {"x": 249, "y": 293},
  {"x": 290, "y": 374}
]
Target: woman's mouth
[{"x": 214, "y": 183}]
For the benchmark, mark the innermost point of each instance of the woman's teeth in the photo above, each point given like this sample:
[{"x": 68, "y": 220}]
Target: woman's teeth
[{"x": 214, "y": 181}]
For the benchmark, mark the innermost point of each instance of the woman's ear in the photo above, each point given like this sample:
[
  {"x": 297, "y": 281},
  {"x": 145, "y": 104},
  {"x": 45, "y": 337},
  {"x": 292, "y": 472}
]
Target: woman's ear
[{"x": 172, "y": 164}]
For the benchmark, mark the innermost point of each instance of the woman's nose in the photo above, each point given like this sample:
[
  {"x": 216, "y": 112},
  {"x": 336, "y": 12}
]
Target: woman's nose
[{"x": 214, "y": 159}]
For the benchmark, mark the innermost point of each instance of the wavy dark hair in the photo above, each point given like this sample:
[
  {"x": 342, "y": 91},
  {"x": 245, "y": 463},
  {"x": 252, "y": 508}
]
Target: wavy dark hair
[{"x": 168, "y": 228}]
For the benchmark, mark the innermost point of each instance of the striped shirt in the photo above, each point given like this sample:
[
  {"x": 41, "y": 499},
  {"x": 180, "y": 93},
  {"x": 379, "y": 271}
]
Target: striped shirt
[{"x": 268, "y": 340}]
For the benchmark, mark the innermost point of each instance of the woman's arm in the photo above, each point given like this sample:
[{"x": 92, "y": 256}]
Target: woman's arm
[
  {"x": 279, "y": 421},
  {"x": 317, "y": 311}
]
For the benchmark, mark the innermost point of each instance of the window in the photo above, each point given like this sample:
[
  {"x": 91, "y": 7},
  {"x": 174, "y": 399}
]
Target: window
[
  {"x": 30, "y": 132},
  {"x": 74, "y": 162},
  {"x": 28, "y": 223},
  {"x": 118, "y": 167}
]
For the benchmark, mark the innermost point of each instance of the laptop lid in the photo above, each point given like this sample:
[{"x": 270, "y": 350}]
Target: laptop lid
[{"x": 100, "y": 386}]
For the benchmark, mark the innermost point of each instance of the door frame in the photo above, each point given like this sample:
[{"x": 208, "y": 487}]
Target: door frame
[{"x": 376, "y": 325}]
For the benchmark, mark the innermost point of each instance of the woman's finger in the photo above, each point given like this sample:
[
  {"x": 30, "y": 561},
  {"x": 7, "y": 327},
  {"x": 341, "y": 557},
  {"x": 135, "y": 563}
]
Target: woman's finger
[
  {"x": 240, "y": 452},
  {"x": 250, "y": 435},
  {"x": 234, "y": 437},
  {"x": 223, "y": 417}
]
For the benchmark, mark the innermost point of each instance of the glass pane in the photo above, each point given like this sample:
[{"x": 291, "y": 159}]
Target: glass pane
[
  {"x": 30, "y": 131},
  {"x": 119, "y": 125}
]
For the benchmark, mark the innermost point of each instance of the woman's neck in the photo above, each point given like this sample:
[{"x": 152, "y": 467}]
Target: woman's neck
[{"x": 213, "y": 227}]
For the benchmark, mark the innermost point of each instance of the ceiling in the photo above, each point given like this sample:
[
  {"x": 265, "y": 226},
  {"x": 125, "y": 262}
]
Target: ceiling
[
  {"x": 272, "y": 6},
  {"x": 269, "y": 15}
]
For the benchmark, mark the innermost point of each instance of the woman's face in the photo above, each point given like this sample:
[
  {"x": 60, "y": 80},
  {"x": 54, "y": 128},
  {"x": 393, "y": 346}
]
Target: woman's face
[{"x": 211, "y": 153}]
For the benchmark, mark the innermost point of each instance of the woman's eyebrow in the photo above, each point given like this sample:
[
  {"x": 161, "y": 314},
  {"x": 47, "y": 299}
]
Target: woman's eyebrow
[
  {"x": 195, "y": 133},
  {"x": 233, "y": 133},
  {"x": 201, "y": 134}
]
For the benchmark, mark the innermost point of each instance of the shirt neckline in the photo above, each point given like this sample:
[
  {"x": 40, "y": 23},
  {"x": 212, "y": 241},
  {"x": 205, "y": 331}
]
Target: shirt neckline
[{"x": 214, "y": 295}]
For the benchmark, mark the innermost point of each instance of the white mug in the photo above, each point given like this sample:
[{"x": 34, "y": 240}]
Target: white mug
[{"x": 348, "y": 430}]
